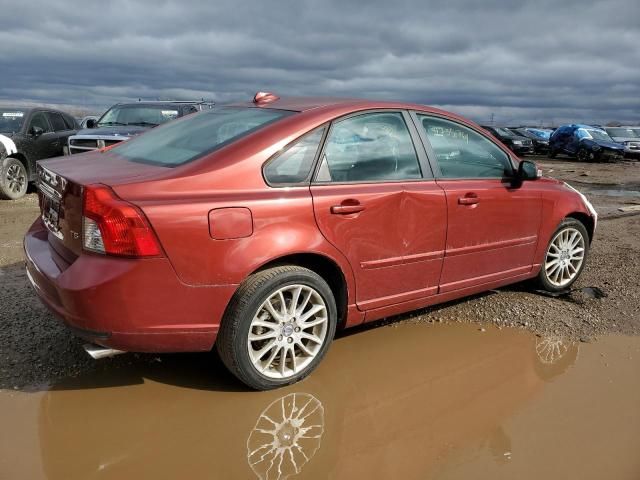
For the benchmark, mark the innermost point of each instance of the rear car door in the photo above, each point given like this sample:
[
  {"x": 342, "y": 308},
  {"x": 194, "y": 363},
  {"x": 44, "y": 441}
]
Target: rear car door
[
  {"x": 372, "y": 202},
  {"x": 493, "y": 222},
  {"x": 61, "y": 131}
]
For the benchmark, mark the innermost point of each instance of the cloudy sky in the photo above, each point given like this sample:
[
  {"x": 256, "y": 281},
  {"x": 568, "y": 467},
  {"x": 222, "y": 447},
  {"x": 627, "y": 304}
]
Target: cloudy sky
[{"x": 533, "y": 61}]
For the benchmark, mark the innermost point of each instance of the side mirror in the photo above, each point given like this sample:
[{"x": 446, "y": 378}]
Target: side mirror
[
  {"x": 91, "y": 123},
  {"x": 36, "y": 131},
  {"x": 527, "y": 170}
]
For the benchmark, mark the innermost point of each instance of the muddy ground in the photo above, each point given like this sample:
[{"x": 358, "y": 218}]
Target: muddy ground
[{"x": 35, "y": 349}]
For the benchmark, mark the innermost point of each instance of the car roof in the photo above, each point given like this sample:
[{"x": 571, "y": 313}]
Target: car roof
[
  {"x": 156, "y": 104},
  {"x": 340, "y": 105},
  {"x": 20, "y": 109}
]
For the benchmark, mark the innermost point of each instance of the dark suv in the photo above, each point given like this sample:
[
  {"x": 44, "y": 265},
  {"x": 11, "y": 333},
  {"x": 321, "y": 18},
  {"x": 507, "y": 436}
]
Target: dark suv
[
  {"x": 126, "y": 120},
  {"x": 584, "y": 142},
  {"x": 518, "y": 144},
  {"x": 28, "y": 135}
]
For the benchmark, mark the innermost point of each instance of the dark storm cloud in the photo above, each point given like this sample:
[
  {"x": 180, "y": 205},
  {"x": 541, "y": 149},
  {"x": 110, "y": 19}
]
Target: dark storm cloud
[{"x": 531, "y": 61}]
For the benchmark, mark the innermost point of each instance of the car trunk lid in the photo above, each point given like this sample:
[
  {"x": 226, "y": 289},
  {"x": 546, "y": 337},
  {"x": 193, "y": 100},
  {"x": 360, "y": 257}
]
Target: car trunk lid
[{"x": 60, "y": 190}]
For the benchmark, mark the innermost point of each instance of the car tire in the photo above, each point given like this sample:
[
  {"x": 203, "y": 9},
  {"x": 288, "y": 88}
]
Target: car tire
[
  {"x": 585, "y": 155},
  {"x": 14, "y": 179},
  {"x": 565, "y": 256},
  {"x": 281, "y": 350}
]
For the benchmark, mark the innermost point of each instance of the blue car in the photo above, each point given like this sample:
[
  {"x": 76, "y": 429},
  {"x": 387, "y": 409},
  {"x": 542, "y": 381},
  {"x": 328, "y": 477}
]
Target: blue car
[{"x": 586, "y": 143}]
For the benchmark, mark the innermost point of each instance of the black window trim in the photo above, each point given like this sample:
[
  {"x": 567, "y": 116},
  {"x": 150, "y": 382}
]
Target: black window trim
[
  {"x": 431, "y": 155},
  {"x": 426, "y": 171},
  {"x": 307, "y": 180}
]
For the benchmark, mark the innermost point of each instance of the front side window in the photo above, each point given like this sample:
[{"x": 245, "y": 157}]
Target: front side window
[
  {"x": 196, "y": 135},
  {"x": 294, "y": 164},
  {"x": 463, "y": 153},
  {"x": 40, "y": 121},
  {"x": 372, "y": 147}
]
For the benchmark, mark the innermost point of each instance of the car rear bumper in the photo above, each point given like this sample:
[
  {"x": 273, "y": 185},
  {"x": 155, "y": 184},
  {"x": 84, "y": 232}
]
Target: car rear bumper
[{"x": 125, "y": 304}]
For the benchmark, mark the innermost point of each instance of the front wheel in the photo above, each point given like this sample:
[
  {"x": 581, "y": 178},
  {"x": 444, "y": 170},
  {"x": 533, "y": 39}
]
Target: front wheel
[
  {"x": 277, "y": 327},
  {"x": 565, "y": 257},
  {"x": 585, "y": 155},
  {"x": 13, "y": 179}
]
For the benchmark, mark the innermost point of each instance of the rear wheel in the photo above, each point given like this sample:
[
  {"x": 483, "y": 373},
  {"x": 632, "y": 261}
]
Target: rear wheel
[
  {"x": 278, "y": 327},
  {"x": 14, "y": 179},
  {"x": 565, "y": 257}
]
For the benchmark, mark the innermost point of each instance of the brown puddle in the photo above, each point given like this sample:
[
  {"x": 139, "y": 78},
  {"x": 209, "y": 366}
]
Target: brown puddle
[{"x": 406, "y": 402}]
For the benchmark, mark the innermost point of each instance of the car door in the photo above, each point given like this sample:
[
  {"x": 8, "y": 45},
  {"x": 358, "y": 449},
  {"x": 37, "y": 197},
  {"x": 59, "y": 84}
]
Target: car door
[
  {"x": 61, "y": 132},
  {"x": 44, "y": 145},
  {"x": 372, "y": 202},
  {"x": 493, "y": 222}
]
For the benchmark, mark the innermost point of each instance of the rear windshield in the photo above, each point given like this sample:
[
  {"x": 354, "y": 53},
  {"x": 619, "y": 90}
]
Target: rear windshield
[{"x": 186, "y": 140}]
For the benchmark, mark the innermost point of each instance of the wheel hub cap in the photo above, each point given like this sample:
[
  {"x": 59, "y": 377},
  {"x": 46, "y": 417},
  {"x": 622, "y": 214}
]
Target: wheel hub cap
[{"x": 287, "y": 329}]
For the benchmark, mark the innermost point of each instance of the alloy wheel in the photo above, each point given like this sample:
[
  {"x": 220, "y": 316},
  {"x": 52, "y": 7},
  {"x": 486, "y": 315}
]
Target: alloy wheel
[
  {"x": 16, "y": 178},
  {"x": 288, "y": 331},
  {"x": 565, "y": 256}
]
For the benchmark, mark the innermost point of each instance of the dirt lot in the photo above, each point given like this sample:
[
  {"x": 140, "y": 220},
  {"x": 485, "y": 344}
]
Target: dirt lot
[{"x": 35, "y": 350}]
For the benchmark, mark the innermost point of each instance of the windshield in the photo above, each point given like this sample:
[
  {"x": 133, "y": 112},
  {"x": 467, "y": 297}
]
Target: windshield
[
  {"x": 196, "y": 135},
  {"x": 11, "y": 120},
  {"x": 143, "y": 115},
  {"x": 599, "y": 135},
  {"x": 624, "y": 132},
  {"x": 505, "y": 132}
]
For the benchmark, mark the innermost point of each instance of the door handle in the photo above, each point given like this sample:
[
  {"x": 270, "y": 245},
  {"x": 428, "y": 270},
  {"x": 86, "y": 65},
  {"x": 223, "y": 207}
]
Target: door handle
[
  {"x": 469, "y": 199},
  {"x": 347, "y": 207}
]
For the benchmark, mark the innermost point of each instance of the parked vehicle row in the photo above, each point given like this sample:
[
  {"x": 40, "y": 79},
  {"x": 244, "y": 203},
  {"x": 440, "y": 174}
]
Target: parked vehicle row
[
  {"x": 31, "y": 134},
  {"x": 261, "y": 228}
]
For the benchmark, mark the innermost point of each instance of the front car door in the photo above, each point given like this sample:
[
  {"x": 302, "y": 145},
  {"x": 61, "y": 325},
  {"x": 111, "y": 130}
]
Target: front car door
[
  {"x": 493, "y": 223},
  {"x": 372, "y": 201},
  {"x": 44, "y": 145}
]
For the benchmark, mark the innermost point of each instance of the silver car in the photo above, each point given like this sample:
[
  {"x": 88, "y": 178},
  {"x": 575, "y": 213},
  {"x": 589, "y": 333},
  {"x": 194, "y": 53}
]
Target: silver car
[{"x": 629, "y": 137}]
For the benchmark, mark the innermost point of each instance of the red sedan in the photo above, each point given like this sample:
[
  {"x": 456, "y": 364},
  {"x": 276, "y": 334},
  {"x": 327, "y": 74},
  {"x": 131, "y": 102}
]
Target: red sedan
[{"x": 261, "y": 228}]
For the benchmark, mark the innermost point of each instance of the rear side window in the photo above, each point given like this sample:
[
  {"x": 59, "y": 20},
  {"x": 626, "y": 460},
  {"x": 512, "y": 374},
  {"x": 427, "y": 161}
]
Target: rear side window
[
  {"x": 182, "y": 141},
  {"x": 373, "y": 147},
  {"x": 463, "y": 153},
  {"x": 57, "y": 122},
  {"x": 294, "y": 164}
]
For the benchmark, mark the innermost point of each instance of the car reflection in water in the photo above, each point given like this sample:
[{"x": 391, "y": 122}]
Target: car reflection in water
[{"x": 385, "y": 403}]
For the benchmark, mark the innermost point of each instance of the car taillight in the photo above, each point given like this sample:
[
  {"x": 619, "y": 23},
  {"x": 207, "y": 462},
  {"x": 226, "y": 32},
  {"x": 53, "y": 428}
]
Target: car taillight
[{"x": 114, "y": 227}]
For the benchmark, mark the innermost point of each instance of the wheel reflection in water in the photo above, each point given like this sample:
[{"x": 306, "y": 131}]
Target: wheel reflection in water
[
  {"x": 550, "y": 349},
  {"x": 286, "y": 436}
]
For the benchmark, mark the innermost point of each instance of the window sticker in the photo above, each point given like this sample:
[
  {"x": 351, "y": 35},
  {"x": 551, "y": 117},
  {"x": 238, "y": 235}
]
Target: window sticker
[
  {"x": 13, "y": 114},
  {"x": 449, "y": 132},
  {"x": 170, "y": 113}
]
